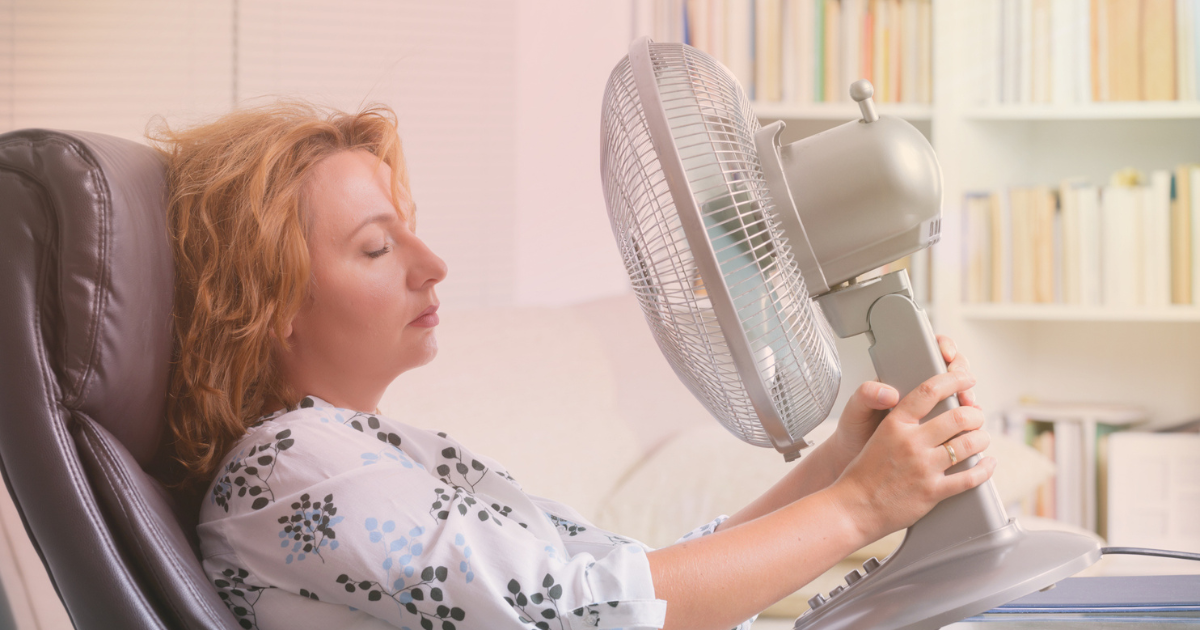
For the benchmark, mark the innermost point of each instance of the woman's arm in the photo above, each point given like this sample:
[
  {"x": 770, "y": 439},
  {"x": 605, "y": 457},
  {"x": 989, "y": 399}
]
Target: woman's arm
[
  {"x": 718, "y": 581},
  {"x": 863, "y": 412}
]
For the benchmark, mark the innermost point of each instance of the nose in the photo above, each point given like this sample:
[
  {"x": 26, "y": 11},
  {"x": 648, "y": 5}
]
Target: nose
[{"x": 425, "y": 268}]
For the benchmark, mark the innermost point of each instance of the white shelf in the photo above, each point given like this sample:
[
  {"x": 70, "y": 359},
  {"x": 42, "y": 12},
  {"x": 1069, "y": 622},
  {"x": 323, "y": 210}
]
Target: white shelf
[
  {"x": 1068, "y": 313},
  {"x": 838, "y": 111},
  {"x": 1131, "y": 110}
]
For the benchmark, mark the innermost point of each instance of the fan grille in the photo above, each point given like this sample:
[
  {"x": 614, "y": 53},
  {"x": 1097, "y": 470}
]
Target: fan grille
[{"x": 713, "y": 127}]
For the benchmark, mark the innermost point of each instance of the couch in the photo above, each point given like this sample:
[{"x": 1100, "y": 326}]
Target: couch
[{"x": 581, "y": 406}]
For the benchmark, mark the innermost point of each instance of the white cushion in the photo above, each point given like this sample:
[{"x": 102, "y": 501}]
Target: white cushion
[
  {"x": 705, "y": 471},
  {"x": 531, "y": 388}
]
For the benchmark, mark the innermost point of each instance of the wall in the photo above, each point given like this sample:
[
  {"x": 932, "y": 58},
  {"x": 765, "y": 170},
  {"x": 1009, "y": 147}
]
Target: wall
[
  {"x": 498, "y": 103},
  {"x": 564, "y": 246}
]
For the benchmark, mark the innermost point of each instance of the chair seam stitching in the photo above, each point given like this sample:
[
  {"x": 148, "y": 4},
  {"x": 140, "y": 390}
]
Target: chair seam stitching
[{"x": 138, "y": 507}]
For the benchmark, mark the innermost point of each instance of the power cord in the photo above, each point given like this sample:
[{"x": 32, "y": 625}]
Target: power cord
[{"x": 1142, "y": 551}]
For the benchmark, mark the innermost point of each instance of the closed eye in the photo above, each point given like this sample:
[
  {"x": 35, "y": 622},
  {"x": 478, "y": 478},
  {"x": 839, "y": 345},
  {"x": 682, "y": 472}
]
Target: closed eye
[{"x": 379, "y": 252}]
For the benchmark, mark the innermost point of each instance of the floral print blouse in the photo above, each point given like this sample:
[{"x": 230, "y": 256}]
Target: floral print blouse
[{"x": 322, "y": 517}]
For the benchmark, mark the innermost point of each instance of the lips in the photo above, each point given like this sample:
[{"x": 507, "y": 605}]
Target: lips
[{"x": 428, "y": 317}]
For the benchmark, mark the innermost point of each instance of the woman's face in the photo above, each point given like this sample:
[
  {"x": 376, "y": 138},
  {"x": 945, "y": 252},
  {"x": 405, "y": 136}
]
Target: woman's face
[{"x": 372, "y": 280}]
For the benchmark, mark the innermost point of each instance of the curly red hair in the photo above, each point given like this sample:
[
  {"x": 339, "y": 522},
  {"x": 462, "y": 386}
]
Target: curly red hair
[{"x": 242, "y": 267}]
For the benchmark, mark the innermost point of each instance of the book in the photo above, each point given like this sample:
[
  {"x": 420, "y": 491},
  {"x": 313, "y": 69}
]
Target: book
[
  {"x": 833, "y": 90},
  {"x": 1122, "y": 601},
  {"x": 881, "y": 23},
  {"x": 1128, "y": 244},
  {"x": 806, "y": 43},
  {"x": 1120, "y": 243},
  {"x": 1073, "y": 436},
  {"x": 895, "y": 50},
  {"x": 1157, "y": 239},
  {"x": 1025, "y": 52},
  {"x": 1011, "y": 70},
  {"x": 978, "y": 241},
  {"x": 1153, "y": 498},
  {"x": 852, "y": 43},
  {"x": 1182, "y": 248},
  {"x": 1072, "y": 243},
  {"x": 1044, "y": 212},
  {"x": 1099, "y": 45},
  {"x": 925, "y": 51},
  {"x": 910, "y": 55},
  {"x": 1063, "y": 36},
  {"x": 1082, "y": 69},
  {"x": 1124, "y": 26},
  {"x": 768, "y": 38},
  {"x": 1040, "y": 46},
  {"x": 1194, "y": 186},
  {"x": 1158, "y": 50},
  {"x": 739, "y": 43},
  {"x": 1187, "y": 20},
  {"x": 1091, "y": 267},
  {"x": 789, "y": 64},
  {"x": 1024, "y": 282}
]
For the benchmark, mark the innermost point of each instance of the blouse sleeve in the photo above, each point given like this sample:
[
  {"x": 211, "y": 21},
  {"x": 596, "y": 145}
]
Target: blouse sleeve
[{"x": 389, "y": 537}]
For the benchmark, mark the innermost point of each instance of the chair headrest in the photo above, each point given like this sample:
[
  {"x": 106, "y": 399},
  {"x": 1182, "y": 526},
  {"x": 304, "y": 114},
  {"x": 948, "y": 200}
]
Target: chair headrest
[{"x": 96, "y": 205}]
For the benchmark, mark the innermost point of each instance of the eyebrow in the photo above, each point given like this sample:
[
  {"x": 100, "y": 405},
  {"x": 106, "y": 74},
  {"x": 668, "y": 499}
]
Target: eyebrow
[{"x": 382, "y": 217}]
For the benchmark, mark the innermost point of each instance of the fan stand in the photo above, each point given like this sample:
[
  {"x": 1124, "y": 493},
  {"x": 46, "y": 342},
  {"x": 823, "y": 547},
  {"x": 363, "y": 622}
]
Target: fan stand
[{"x": 965, "y": 556}]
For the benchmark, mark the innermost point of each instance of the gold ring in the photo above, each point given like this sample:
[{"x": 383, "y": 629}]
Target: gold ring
[{"x": 953, "y": 457}]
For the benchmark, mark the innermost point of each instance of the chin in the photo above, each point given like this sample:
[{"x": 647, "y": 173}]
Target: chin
[{"x": 423, "y": 355}]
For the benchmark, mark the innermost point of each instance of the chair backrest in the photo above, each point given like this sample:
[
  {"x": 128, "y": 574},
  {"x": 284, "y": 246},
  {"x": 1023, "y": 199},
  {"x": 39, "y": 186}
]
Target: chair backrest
[{"x": 85, "y": 308}]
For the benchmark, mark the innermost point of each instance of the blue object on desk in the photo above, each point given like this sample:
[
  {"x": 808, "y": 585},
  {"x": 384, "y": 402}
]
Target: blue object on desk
[{"x": 1109, "y": 595}]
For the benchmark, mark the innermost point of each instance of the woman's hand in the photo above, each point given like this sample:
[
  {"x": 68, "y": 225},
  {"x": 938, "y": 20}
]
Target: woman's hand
[
  {"x": 900, "y": 474},
  {"x": 870, "y": 402}
]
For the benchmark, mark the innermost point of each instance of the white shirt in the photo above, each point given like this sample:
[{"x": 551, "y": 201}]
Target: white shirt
[{"x": 326, "y": 517}]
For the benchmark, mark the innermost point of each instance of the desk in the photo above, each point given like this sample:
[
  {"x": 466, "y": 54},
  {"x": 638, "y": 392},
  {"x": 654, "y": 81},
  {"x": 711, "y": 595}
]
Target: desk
[{"x": 1087, "y": 603}]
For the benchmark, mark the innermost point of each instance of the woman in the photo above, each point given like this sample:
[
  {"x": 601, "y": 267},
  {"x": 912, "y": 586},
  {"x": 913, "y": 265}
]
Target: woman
[{"x": 303, "y": 291}]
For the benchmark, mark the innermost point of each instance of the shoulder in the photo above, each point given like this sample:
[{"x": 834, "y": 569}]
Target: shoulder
[{"x": 294, "y": 449}]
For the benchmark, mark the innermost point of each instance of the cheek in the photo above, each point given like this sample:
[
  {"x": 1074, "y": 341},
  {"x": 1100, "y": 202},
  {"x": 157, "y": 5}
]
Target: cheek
[{"x": 369, "y": 306}]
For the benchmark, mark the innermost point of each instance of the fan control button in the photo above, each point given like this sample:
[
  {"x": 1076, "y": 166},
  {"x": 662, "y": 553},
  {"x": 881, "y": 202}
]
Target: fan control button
[
  {"x": 853, "y": 577},
  {"x": 835, "y": 591},
  {"x": 816, "y": 601},
  {"x": 871, "y": 565}
]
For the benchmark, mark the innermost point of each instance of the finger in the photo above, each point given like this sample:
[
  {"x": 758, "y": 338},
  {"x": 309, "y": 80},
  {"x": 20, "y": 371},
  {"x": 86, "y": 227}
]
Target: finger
[
  {"x": 968, "y": 398},
  {"x": 920, "y": 401},
  {"x": 951, "y": 423},
  {"x": 964, "y": 446},
  {"x": 959, "y": 364},
  {"x": 873, "y": 396},
  {"x": 950, "y": 485},
  {"x": 948, "y": 347}
]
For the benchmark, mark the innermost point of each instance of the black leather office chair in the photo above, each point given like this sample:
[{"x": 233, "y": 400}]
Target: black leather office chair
[{"x": 85, "y": 307}]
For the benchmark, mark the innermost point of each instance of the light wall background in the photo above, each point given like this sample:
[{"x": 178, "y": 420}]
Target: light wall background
[{"x": 498, "y": 103}]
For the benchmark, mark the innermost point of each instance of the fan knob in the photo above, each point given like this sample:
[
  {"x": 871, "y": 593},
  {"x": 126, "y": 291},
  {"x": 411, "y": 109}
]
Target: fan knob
[
  {"x": 816, "y": 600},
  {"x": 871, "y": 565},
  {"x": 853, "y": 577},
  {"x": 862, "y": 91},
  {"x": 835, "y": 591}
]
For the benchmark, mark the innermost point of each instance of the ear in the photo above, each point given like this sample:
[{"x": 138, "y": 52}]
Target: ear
[{"x": 287, "y": 333}]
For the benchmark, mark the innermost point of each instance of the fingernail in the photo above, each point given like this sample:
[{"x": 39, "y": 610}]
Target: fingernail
[{"x": 884, "y": 395}]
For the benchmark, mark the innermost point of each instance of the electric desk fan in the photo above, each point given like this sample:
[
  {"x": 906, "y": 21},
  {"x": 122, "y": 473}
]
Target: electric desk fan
[{"x": 743, "y": 255}]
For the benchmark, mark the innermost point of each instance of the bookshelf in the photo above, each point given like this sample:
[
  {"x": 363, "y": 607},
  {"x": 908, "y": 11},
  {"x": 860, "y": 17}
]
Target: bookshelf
[
  {"x": 1142, "y": 358},
  {"x": 1131, "y": 110},
  {"x": 839, "y": 112},
  {"x": 1053, "y": 352},
  {"x": 1074, "y": 313}
]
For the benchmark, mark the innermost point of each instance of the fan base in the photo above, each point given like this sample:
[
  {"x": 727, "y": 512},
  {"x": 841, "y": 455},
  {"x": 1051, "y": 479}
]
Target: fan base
[{"x": 954, "y": 583}]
